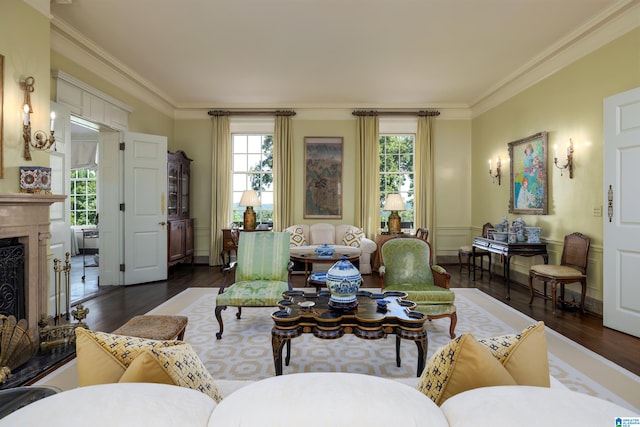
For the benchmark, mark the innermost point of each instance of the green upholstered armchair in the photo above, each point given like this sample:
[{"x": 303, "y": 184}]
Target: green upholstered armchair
[
  {"x": 262, "y": 274},
  {"x": 406, "y": 266}
]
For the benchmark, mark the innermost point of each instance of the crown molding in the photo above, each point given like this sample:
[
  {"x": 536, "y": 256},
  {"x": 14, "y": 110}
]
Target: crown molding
[
  {"x": 71, "y": 44},
  {"x": 611, "y": 24}
]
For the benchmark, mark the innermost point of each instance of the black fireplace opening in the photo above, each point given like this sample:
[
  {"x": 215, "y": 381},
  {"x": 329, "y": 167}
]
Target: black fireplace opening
[{"x": 12, "y": 288}]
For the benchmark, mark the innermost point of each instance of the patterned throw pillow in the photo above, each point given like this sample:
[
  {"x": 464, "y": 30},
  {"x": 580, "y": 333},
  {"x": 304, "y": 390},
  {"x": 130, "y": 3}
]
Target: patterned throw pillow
[
  {"x": 523, "y": 355},
  {"x": 102, "y": 358},
  {"x": 461, "y": 365},
  {"x": 179, "y": 365},
  {"x": 297, "y": 235},
  {"x": 353, "y": 237}
]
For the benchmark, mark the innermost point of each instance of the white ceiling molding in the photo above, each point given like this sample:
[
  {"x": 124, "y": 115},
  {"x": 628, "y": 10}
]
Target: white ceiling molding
[
  {"x": 603, "y": 29},
  {"x": 74, "y": 46}
]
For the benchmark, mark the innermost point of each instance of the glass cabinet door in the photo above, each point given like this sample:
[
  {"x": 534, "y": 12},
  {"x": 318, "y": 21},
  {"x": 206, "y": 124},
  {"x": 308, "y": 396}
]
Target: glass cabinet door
[
  {"x": 184, "y": 191},
  {"x": 172, "y": 189}
]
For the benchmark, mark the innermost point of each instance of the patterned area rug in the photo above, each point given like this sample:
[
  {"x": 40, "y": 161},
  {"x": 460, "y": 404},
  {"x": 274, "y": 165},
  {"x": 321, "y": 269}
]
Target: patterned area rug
[{"x": 244, "y": 352}]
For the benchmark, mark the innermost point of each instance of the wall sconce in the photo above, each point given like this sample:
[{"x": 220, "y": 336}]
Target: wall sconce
[
  {"x": 249, "y": 199},
  {"x": 498, "y": 171},
  {"x": 394, "y": 203},
  {"x": 42, "y": 141},
  {"x": 569, "y": 164}
]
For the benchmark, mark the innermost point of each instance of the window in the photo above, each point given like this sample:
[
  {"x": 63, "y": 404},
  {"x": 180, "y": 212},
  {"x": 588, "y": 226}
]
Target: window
[
  {"x": 397, "y": 175},
  {"x": 253, "y": 170},
  {"x": 83, "y": 197}
]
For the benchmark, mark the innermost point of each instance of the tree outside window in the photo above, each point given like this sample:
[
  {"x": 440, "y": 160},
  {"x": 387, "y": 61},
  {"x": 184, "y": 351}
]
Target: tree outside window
[
  {"x": 397, "y": 175},
  {"x": 83, "y": 197},
  {"x": 253, "y": 170}
]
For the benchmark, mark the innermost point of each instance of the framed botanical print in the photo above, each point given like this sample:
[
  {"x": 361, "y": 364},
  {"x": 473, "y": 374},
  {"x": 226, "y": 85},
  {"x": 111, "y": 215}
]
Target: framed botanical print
[
  {"x": 528, "y": 169},
  {"x": 323, "y": 177}
]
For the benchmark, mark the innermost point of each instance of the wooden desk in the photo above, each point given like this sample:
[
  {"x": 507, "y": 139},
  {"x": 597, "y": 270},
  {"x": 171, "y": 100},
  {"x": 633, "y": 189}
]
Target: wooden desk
[{"x": 506, "y": 251}]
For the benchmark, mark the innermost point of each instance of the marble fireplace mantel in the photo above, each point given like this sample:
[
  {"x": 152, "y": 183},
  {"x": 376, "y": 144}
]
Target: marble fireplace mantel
[{"x": 26, "y": 217}]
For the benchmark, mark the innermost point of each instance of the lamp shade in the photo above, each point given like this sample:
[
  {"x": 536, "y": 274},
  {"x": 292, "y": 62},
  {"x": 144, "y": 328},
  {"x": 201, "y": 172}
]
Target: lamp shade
[
  {"x": 249, "y": 198},
  {"x": 394, "y": 202}
]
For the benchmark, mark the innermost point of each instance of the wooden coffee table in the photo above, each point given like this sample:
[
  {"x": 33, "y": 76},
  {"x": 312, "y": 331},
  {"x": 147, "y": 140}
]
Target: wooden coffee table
[
  {"x": 317, "y": 259},
  {"x": 302, "y": 312}
]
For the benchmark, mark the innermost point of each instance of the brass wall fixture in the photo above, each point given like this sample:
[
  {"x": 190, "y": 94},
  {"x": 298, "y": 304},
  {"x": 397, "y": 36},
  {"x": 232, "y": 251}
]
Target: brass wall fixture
[
  {"x": 569, "y": 164},
  {"x": 40, "y": 140},
  {"x": 498, "y": 173}
]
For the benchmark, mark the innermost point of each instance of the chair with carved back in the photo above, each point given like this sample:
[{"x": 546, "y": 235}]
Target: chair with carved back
[
  {"x": 407, "y": 267},
  {"x": 423, "y": 234},
  {"x": 572, "y": 269},
  {"x": 262, "y": 274},
  {"x": 467, "y": 251}
]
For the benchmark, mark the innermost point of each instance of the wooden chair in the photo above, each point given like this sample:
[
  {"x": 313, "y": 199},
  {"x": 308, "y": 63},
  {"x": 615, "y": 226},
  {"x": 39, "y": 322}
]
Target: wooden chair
[
  {"x": 262, "y": 274},
  {"x": 407, "y": 267},
  {"x": 423, "y": 234},
  {"x": 467, "y": 251},
  {"x": 572, "y": 269}
]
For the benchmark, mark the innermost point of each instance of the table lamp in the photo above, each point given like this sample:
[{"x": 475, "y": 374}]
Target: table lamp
[
  {"x": 394, "y": 203},
  {"x": 249, "y": 199}
]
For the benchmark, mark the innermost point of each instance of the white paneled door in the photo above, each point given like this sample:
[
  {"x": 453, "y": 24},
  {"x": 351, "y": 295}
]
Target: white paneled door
[
  {"x": 145, "y": 210},
  {"x": 621, "y": 299}
]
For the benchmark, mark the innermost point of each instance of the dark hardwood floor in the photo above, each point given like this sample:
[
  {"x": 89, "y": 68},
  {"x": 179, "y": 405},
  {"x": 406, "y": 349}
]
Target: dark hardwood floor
[{"x": 113, "y": 306}]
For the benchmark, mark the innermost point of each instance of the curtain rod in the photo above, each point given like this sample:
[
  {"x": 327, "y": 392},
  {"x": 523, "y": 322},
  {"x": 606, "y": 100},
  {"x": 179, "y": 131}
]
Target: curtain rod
[
  {"x": 422, "y": 113},
  {"x": 252, "y": 113}
]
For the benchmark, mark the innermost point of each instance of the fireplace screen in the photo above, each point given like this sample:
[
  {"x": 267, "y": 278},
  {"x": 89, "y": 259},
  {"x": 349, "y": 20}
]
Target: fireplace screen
[{"x": 12, "y": 289}]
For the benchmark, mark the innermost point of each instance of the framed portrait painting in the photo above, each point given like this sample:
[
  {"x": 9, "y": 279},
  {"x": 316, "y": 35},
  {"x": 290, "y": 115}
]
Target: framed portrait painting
[
  {"x": 323, "y": 177},
  {"x": 528, "y": 167}
]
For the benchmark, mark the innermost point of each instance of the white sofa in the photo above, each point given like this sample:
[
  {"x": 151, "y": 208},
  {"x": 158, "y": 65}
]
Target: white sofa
[
  {"x": 340, "y": 399},
  {"x": 323, "y": 233}
]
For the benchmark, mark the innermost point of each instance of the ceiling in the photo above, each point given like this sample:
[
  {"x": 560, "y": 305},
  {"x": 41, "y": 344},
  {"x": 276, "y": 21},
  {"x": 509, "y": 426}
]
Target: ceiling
[{"x": 328, "y": 53}]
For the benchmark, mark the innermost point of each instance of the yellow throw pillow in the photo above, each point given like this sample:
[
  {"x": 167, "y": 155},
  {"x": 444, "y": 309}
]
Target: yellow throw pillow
[
  {"x": 524, "y": 355},
  {"x": 178, "y": 365},
  {"x": 353, "y": 237},
  {"x": 461, "y": 365},
  {"x": 296, "y": 236},
  {"x": 102, "y": 358}
]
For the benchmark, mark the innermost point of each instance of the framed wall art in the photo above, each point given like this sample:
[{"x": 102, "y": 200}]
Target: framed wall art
[
  {"x": 528, "y": 167},
  {"x": 323, "y": 177}
]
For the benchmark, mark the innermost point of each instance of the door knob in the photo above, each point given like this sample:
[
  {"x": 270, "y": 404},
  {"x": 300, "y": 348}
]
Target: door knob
[{"x": 162, "y": 223}]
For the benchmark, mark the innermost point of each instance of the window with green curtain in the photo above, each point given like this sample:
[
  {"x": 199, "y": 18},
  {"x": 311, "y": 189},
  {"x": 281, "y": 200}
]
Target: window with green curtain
[
  {"x": 83, "y": 197},
  {"x": 253, "y": 170},
  {"x": 397, "y": 174}
]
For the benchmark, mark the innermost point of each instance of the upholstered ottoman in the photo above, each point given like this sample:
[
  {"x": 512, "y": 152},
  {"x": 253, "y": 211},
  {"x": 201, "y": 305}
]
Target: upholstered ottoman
[
  {"x": 155, "y": 327},
  {"x": 327, "y": 399},
  {"x": 528, "y": 406},
  {"x": 120, "y": 404}
]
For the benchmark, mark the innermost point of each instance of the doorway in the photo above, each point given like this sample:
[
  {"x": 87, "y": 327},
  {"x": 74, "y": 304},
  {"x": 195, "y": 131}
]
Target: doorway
[{"x": 84, "y": 210}]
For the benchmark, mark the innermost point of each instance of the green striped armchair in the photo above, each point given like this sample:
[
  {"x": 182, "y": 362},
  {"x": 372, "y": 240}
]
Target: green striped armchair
[{"x": 262, "y": 273}]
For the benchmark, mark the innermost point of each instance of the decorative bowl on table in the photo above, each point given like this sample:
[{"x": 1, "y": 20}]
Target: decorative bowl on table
[
  {"x": 325, "y": 251},
  {"x": 500, "y": 236},
  {"x": 343, "y": 281}
]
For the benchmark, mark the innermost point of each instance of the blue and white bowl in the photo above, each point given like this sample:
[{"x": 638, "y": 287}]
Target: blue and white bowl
[{"x": 325, "y": 250}]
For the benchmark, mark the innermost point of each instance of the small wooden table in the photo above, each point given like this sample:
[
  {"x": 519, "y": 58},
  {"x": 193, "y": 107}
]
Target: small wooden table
[
  {"x": 366, "y": 321},
  {"x": 506, "y": 251}
]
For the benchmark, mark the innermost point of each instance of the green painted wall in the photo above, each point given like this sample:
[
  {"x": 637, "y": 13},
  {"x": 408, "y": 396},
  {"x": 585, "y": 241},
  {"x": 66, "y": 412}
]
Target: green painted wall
[
  {"x": 24, "y": 43},
  {"x": 567, "y": 104}
]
